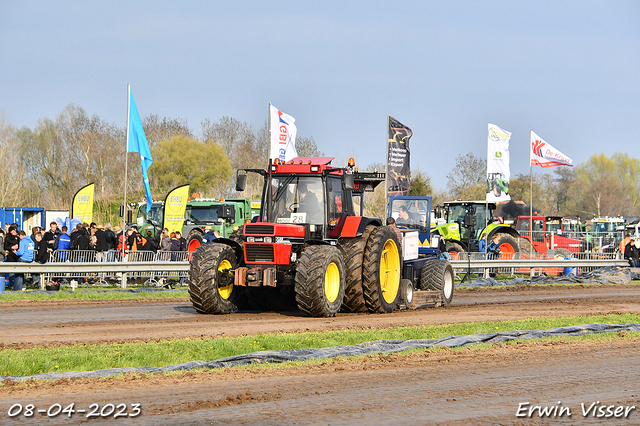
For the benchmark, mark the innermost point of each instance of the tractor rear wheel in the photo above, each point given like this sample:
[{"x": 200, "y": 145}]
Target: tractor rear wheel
[
  {"x": 437, "y": 274},
  {"x": 211, "y": 286},
  {"x": 381, "y": 270},
  {"x": 454, "y": 249},
  {"x": 194, "y": 240},
  {"x": 353, "y": 251},
  {"x": 320, "y": 281},
  {"x": 508, "y": 246}
]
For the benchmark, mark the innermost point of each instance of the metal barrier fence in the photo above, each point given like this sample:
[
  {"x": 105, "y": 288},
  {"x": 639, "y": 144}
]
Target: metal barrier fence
[
  {"x": 534, "y": 263},
  {"x": 572, "y": 241},
  {"x": 155, "y": 269},
  {"x": 146, "y": 278}
]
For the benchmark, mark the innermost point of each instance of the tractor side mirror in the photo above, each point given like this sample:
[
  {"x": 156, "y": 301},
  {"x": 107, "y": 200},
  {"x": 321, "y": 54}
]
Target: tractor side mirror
[
  {"x": 470, "y": 220},
  {"x": 226, "y": 211},
  {"x": 348, "y": 183},
  {"x": 241, "y": 182}
]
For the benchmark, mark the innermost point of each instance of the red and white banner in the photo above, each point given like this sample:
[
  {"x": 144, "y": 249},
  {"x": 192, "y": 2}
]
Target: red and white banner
[
  {"x": 283, "y": 135},
  {"x": 543, "y": 154}
]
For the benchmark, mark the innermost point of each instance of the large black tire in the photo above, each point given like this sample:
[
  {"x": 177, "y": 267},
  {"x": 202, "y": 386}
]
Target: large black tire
[
  {"x": 562, "y": 253},
  {"x": 508, "y": 246},
  {"x": 381, "y": 271},
  {"x": 437, "y": 275},
  {"x": 454, "y": 249},
  {"x": 211, "y": 286},
  {"x": 525, "y": 247},
  {"x": 352, "y": 250},
  {"x": 320, "y": 281},
  {"x": 194, "y": 240}
]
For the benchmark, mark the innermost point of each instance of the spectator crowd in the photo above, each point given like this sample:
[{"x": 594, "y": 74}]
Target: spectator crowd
[{"x": 85, "y": 243}]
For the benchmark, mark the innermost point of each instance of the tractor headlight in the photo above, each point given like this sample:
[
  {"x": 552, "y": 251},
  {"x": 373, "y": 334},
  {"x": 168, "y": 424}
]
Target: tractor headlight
[
  {"x": 250, "y": 239},
  {"x": 267, "y": 239},
  {"x": 293, "y": 257}
]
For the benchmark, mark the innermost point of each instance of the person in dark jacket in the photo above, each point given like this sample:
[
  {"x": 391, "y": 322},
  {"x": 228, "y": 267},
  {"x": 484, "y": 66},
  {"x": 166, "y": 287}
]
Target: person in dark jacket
[
  {"x": 632, "y": 253},
  {"x": 2, "y": 253},
  {"x": 51, "y": 235},
  {"x": 183, "y": 242},
  {"x": 11, "y": 245},
  {"x": 151, "y": 244},
  {"x": 80, "y": 243},
  {"x": 175, "y": 246},
  {"x": 102, "y": 245},
  {"x": 41, "y": 256},
  {"x": 210, "y": 235}
]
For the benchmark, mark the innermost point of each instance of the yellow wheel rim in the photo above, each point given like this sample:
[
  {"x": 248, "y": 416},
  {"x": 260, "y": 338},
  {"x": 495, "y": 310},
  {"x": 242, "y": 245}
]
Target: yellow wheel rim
[
  {"x": 332, "y": 282},
  {"x": 225, "y": 292},
  {"x": 390, "y": 271}
]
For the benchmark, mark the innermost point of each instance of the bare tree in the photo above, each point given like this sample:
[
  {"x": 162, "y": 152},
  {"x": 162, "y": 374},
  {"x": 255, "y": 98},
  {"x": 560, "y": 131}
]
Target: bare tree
[{"x": 468, "y": 178}]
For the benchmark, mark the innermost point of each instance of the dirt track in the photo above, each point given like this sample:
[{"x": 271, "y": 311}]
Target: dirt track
[
  {"x": 69, "y": 322},
  {"x": 453, "y": 387}
]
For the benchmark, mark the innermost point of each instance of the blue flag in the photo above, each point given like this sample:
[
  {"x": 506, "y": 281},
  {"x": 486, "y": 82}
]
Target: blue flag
[{"x": 138, "y": 143}]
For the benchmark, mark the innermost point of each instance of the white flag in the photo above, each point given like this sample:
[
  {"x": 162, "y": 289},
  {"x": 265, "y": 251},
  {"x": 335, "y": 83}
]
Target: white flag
[
  {"x": 543, "y": 154},
  {"x": 498, "y": 173},
  {"x": 283, "y": 135}
]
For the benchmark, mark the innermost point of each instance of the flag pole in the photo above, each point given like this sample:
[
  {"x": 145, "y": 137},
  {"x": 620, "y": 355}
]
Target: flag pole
[
  {"x": 386, "y": 173},
  {"x": 126, "y": 150},
  {"x": 269, "y": 127},
  {"x": 530, "y": 209}
]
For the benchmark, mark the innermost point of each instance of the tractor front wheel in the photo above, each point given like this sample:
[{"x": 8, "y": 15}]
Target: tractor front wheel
[
  {"x": 320, "y": 281},
  {"x": 211, "y": 286},
  {"x": 437, "y": 274}
]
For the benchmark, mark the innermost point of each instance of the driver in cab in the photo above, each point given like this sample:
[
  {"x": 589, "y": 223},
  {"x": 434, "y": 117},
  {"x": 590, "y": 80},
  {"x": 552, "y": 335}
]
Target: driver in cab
[
  {"x": 308, "y": 202},
  {"x": 406, "y": 218}
]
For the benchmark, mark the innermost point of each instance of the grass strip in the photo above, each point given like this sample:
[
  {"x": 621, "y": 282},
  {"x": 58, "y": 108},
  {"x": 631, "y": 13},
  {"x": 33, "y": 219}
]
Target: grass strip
[
  {"x": 26, "y": 362},
  {"x": 91, "y": 295}
]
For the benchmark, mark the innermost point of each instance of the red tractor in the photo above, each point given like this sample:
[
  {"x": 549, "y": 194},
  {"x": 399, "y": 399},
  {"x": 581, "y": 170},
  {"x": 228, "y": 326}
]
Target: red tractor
[
  {"x": 309, "y": 247},
  {"x": 546, "y": 233}
]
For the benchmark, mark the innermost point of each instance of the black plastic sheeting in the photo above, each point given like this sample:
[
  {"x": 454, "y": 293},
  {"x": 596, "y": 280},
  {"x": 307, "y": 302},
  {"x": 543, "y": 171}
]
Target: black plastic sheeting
[
  {"x": 607, "y": 275},
  {"x": 379, "y": 346}
]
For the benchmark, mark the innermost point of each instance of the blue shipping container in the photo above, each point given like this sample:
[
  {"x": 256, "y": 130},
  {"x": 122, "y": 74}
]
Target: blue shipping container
[{"x": 25, "y": 217}]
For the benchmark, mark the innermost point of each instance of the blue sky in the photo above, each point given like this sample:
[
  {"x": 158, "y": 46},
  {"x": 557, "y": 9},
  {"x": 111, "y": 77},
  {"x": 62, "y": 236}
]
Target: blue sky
[{"x": 568, "y": 70}]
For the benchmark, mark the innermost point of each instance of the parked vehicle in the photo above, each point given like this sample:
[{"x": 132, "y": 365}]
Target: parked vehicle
[
  {"x": 546, "y": 233},
  {"x": 466, "y": 223}
]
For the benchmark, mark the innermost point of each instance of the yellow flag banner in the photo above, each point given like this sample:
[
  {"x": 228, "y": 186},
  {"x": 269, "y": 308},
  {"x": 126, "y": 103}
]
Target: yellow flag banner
[
  {"x": 174, "y": 207},
  {"x": 82, "y": 206}
]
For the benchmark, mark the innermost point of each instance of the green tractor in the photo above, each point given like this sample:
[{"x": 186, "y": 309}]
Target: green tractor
[
  {"x": 497, "y": 184},
  {"x": 469, "y": 227}
]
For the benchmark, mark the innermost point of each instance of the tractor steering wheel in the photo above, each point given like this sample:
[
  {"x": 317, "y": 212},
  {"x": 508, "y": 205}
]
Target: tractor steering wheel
[{"x": 293, "y": 207}]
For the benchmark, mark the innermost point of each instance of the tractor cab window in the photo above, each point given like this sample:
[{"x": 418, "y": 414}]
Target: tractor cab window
[
  {"x": 412, "y": 214},
  {"x": 523, "y": 226},
  {"x": 336, "y": 200},
  {"x": 458, "y": 213},
  {"x": 204, "y": 215},
  {"x": 554, "y": 226},
  {"x": 297, "y": 199},
  {"x": 154, "y": 216}
]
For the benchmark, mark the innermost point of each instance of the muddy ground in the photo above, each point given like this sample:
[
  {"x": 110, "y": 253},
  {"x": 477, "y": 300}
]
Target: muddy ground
[{"x": 447, "y": 387}]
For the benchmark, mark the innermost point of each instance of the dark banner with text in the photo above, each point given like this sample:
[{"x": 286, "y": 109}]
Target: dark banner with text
[{"x": 398, "y": 166}]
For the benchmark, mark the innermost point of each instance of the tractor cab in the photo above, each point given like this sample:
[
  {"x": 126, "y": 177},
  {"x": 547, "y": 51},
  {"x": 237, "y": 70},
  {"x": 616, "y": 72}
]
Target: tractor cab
[{"x": 309, "y": 192}]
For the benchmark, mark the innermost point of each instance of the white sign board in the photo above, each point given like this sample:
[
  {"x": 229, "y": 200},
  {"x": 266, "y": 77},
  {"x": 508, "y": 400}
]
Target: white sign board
[{"x": 410, "y": 244}]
